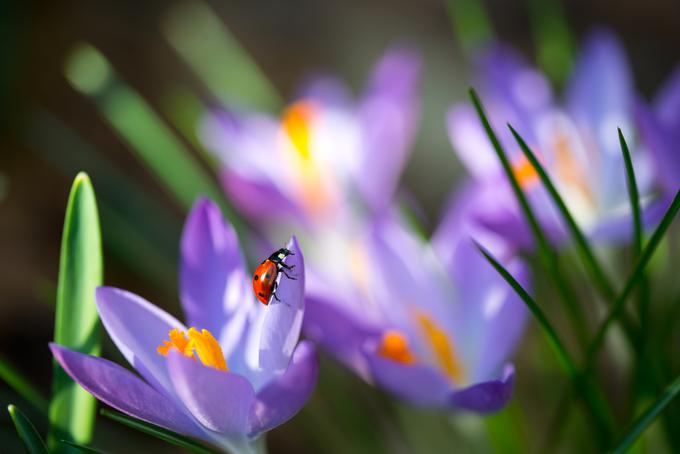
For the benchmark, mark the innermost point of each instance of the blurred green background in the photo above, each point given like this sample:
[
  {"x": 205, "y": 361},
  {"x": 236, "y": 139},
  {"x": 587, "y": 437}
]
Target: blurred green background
[{"x": 49, "y": 131}]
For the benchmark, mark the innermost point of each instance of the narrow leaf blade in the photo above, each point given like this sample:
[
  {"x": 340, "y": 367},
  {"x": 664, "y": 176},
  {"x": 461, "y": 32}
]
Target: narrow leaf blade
[
  {"x": 30, "y": 437},
  {"x": 641, "y": 424},
  {"x": 22, "y": 385},
  {"x": 158, "y": 432},
  {"x": 72, "y": 409}
]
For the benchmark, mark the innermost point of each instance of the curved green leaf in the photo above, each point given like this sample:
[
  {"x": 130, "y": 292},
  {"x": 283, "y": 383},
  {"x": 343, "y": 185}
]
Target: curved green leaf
[
  {"x": 27, "y": 432},
  {"x": 22, "y": 385},
  {"x": 72, "y": 409}
]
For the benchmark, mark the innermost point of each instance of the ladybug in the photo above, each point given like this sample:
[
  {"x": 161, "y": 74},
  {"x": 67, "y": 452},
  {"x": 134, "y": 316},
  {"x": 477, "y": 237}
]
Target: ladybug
[{"x": 264, "y": 277}]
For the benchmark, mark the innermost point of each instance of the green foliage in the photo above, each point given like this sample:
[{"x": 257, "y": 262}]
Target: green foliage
[
  {"x": 72, "y": 409},
  {"x": 27, "y": 432}
]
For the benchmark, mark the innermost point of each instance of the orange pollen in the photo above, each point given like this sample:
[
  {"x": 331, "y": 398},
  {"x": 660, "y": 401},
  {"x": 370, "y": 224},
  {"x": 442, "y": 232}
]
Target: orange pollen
[
  {"x": 442, "y": 347},
  {"x": 525, "y": 173},
  {"x": 296, "y": 122},
  {"x": 202, "y": 344},
  {"x": 394, "y": 346}
]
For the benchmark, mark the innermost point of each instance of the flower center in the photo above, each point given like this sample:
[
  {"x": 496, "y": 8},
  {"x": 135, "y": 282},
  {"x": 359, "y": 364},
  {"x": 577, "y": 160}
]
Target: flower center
[
  {"x": 296, "y": 123},
  {"x": 394, "y": 346},
  {"x": 202, "y": 344},
  {"x": 525, "y": 173}
]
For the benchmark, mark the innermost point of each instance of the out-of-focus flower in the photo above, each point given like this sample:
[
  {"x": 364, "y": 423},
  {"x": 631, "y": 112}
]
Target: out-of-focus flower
[
  {"x": 326, "y": 152},
  {"x": 430, "y": 337},
  {"x": 660, "y": 127},
  {"x": 237, "y": 372},
  {"x": 576, "y": 141}
]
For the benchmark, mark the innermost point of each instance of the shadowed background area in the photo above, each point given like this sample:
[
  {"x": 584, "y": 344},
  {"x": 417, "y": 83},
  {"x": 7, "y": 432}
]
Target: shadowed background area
[{"x": 50, "y": 130}]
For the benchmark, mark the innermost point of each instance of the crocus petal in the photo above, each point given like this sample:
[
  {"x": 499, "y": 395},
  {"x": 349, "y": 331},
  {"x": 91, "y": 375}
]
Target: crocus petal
[
  {"x": 388, "y": 113},
  {"x": 214, "y": 288},
  {"x": 280, "y": 329},
  {"x": 121, "y": 389},
  {"x": 219, "y": 400},
  {"x": 338, "y": 331},
  {"x": 137, "y": 327},
  {"x": 284, "y": 396},
  {"x": 471, "y": 143},
  {"x": 667, "y": 102},
  {"x": 662, "y": 144},
  {"x": 486, "y": 397},
  {"x": 415, "y": 383},
  {"x": 600, "y": 90}
]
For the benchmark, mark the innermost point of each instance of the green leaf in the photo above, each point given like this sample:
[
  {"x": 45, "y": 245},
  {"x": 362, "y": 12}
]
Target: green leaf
[
  {"x": 158, "y": 432},
  {"x": 72, "y": 409},
  {"x": 547, "y": 255},
  {"x": 645, "y": 419},
  {"x": 596, "y": 403},
  {"x": 82, "y": 448},
  {"x": 30, "y": 437},
  {"x": 596, "y": 271},
  {"x": 553, "y": 40},
  {"x": 22, "y": 386},
  {"x": 470, "y": 24},
  {"x": 636, "y": 275}
]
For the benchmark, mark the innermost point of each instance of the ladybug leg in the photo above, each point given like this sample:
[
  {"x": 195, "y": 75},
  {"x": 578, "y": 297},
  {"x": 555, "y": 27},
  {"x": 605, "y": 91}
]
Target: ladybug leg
[
  {"x": 288, "y": 275},
  {"x": 288, "y": 267},
  {"x": 274, "y": 287}
]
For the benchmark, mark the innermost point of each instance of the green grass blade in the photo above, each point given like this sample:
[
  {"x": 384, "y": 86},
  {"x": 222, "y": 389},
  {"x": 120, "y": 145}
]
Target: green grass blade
[
  {"x": 30, "y": 437},
  {"x": 645, "y": 419},
  {"x": 177, "y": 170},
  {"x": 547, "y": 255},
  {"x": 82, "y": 448},
  {"x": 587, "y": 255},
  {"x": 636, "y": 275},
  {"x": 158, "y": 432},
  {"x": 553, "y": 40},
  {"x": 72, "y": 409},
  {"x": 22, "y": 386},
  {"x": 470, "y": 24},
  {"x": 201, "y": 38},
  {"x": 595, "y": 402},
  {"x": 633, "y": 194}
]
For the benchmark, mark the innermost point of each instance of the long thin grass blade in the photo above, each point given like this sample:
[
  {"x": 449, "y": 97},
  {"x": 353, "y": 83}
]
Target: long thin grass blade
[
  {"x": 72, "y": 409},
  {"x": 617, "y": 308},
  {"x": 158, "y": 432},
  {"x": 594, "y": 400},
  {"x": 30, "y": 437},
  {"x": 178, "y": 171},
  {"x": 546, "y": 252},
  {"x": 22, "y": 386},
  {"x": 641, "y": 424},
  {"x": 594, "y": 267},
  {"x": 82, "y": 448}
]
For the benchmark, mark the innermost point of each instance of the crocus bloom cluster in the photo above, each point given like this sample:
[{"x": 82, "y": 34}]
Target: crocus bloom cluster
[
  {"x": 325, "y": 152},
  {"x": 431, "y": 335},
  {"x": 577, "y": 142},
  {"x": 234, "y": 373}
]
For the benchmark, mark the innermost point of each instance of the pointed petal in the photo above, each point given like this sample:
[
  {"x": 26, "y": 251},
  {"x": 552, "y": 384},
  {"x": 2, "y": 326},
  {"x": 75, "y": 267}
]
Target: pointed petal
[
  {"x": 284, "y": 396},
  {"x": 219, "y": 400},
  {"x": 470, "y": 142},
  {"x": 388, "y": 114},
  {"x": 137, "y": 327},
  {"x": 280, "y": 328},
  {"x": 486, "y": 397},
  {"x": 214, "y": 287},
  {"x": 122, "y": 390}
]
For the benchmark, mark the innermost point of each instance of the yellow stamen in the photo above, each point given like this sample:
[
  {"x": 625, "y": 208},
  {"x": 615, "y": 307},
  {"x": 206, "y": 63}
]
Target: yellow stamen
[
  {"x": 203, "y": 343},
  {"x": 525, "y": 173},
  {"x": 442, "y": 348},
  {"x": 296, "y": 122},
  {"x": 394, "y": 346},
  {"x": 570, "y": 172}
]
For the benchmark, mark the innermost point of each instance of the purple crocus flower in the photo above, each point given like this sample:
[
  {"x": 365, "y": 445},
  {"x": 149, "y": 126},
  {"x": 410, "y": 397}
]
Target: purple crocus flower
[
  {"x": 239, "y": 373},
  {"x": 660, "y": 127},
  {"x": 576, "y": 141},
  {"x": 433, "y": 337},
  {"x": 325, "y": 152}
]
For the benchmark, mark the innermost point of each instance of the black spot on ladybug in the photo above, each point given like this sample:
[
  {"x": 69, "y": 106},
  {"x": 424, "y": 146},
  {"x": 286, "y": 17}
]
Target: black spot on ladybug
[
  {"x": 261, "y": 294},
  {"x": 267, "y": 276},
  {"x": 256, "y": 277}
]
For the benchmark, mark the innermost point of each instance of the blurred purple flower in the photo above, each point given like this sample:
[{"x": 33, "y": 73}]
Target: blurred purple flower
[
  {"x": 660, "y": 127},
  {"x": 229, "y": 390},
  {"x": 577, "y": 142},
  {"x": 432, "y": 335},
  {"x": 326, "y": 151}
]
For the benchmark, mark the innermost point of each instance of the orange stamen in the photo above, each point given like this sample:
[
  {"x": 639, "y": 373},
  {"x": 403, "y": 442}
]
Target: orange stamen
[
  {"x": 394, "y": 346},
  {"x": 525, "y": 173},
  {"x": 296, "y": 122},
  {"x": 442, "y": 348},
  {"x": 202, "y": 343}
]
